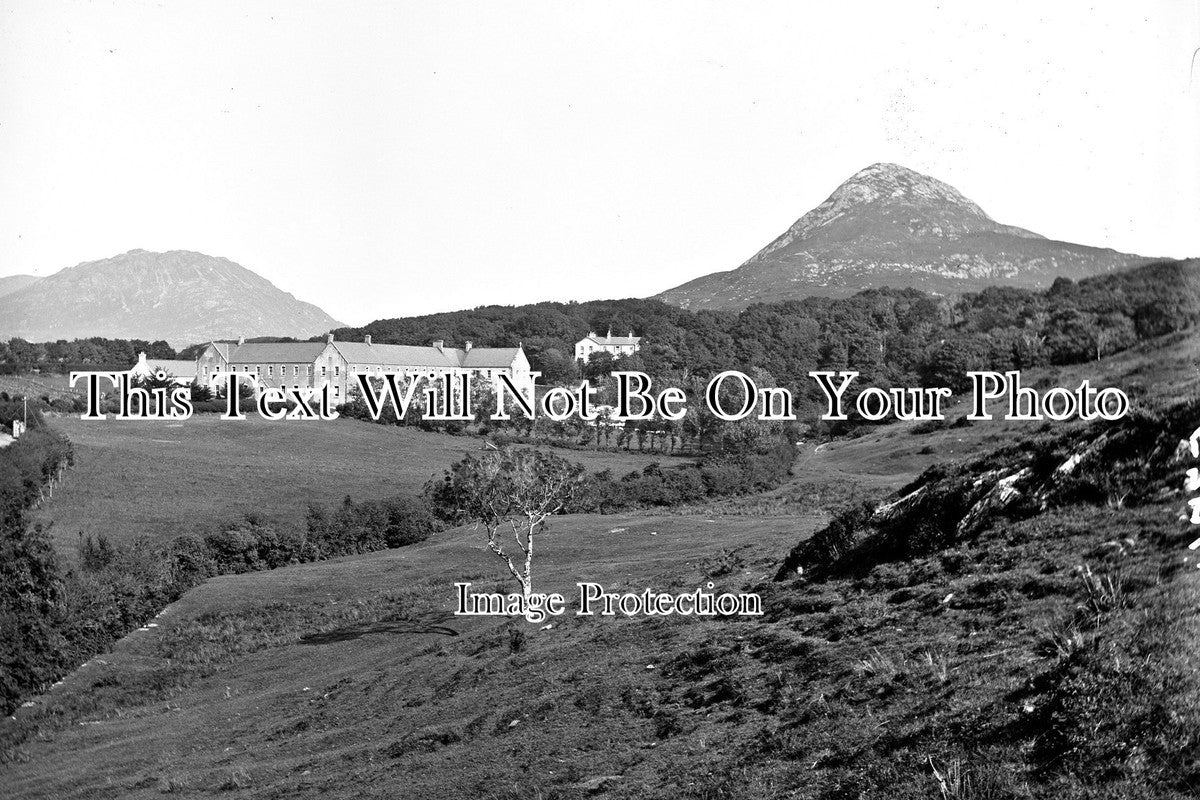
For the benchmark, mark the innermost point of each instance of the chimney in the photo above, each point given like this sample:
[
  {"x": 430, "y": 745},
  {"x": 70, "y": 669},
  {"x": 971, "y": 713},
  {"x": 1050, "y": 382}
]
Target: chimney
[
  {"x": 142, "y": 358},
  {"x": 367, "y": 340},
  {"x": 437, "y": 343},
  {"x": 329, "y": 338},
  {"x": 241, "y": 340},
  {"x": 468, "y": 347},
  {"x": 609, "y": 339}
]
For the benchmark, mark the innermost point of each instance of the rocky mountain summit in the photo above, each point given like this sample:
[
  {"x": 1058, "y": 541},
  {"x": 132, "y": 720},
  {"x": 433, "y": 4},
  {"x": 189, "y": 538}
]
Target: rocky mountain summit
[{"x": 890, "y": 226}]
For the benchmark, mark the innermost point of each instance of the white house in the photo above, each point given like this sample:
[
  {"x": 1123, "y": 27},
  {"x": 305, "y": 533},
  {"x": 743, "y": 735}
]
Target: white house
[
  {"x": 184, "y": 372},
  {"x": 617, "y": 345}
]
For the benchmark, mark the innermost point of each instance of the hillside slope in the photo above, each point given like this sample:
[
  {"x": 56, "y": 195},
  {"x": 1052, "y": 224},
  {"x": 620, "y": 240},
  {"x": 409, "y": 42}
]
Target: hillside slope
[
  {"x": 14, "y": 283},
  {"x": 1050, "y": 653},
  {"x": 890, "y": 226},
  {"x": 180, "y": 296},
  {"x": 1047, "y": 657}
]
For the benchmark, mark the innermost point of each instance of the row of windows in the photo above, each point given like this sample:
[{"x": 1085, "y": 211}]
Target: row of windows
[
  {"x": 365, "y": 369},
  {"x": 336, "y": 389},
  {"x": 282, "y": 370}
]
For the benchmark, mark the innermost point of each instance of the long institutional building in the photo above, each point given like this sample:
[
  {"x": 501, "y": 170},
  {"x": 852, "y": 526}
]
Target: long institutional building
[{"x": 317, "y": 364}]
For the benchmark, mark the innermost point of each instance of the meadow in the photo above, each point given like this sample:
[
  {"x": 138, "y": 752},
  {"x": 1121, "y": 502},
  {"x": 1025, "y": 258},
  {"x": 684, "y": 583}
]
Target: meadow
[
  {"x": 1051, "y": 656},
  {"x": 162, "y": 479},
  {"x": 1028, "y": 663}
]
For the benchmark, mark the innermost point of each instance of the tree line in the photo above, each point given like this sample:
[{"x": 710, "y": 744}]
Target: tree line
[{"x": 891, "y": 336}]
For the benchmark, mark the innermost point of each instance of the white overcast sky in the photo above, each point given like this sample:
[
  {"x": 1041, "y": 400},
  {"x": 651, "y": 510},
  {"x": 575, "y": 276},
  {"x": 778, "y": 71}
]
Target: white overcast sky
[{"x": 387, "y": 159}]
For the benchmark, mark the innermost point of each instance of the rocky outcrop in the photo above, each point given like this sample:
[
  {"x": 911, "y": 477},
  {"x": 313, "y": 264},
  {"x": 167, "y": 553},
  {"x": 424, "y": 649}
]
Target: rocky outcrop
[{"x": 890, "y": 226}]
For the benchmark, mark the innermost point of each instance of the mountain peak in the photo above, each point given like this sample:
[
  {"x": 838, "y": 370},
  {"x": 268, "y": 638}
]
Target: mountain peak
[
  {"x": 888, "y": 193},
  {"x": 893, "y": 182},
  {"x": 181, "y": 296},
  {"x": 888, "y": 225}
]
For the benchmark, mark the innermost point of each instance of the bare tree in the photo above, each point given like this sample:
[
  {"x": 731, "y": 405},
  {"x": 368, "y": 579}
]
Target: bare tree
[{"x": 513, "y": 490}]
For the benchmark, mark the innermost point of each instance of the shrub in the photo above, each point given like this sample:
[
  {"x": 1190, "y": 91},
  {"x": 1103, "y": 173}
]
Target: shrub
[
  {"x": 31, "y": 601},
  {"x": 369, "y": 525}
]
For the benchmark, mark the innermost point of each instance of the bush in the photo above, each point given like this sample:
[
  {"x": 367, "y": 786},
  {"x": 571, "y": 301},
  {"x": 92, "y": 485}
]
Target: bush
[
  {"x": 27, "y": 465},
  {"x": 31, "y": 601},
  {"x": 723, "y": 474},
  {"x": 234, "y": 549},
  {"x": 369, "y": 525}
]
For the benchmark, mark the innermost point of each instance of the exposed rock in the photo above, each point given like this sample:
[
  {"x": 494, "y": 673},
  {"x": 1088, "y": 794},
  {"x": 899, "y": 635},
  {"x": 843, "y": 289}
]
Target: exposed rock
[{"x": 890, "y": 226}]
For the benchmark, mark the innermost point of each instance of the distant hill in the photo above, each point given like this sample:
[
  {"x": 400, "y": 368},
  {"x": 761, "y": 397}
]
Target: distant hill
[
  {"x": 180, "y": 296},
  {"x": 13, "y": 283},
  {"x": 890, "y": 226}
]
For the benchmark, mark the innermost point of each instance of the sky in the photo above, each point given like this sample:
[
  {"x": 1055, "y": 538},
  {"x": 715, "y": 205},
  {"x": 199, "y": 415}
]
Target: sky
[{"x": 391, "y": 159}]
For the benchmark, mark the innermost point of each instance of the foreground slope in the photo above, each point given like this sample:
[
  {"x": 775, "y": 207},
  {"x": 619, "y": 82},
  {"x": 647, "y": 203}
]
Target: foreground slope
[
  {"x": 891, "y": 226},
  {"x": 349, "y": 678},
  {"x": 1049, "y": 653}
]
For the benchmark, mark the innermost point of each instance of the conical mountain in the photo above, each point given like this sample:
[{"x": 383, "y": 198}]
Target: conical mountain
[{"x": 891, "y": 226}]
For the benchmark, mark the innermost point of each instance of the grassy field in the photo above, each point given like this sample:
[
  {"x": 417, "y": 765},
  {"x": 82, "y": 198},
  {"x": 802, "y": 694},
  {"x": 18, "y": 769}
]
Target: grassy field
[
  {"x": 1052, "y": 657},
  {"x": 352, "y": 679},
  {"x": 162, "y": 479},
  {"x": 48, "y": 384},
  {"x": 291, "y": 715}
]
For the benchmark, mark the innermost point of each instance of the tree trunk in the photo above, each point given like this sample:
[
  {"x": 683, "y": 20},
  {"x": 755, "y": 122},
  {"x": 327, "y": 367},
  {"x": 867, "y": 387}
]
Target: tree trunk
[{"x": 527, "y": 583}]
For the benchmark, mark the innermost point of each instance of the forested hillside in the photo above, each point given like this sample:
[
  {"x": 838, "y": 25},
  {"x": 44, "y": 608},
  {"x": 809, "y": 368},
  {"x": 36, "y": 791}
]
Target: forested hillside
[{"x": 891, "y": 336}]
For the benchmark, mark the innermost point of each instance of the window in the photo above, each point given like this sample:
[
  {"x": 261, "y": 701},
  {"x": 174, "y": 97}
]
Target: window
[
  {"x": 337, "y": 370},
  {"x": 270, "y": 370},
  {"x": 324, "y": 371},
  {"x": 295, "y": 370},
  {"x": 308, "y": 371}
]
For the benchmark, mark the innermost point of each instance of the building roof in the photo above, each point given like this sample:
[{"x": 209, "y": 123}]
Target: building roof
[
  {"x": 395, "y": 355},
  {"x": 413, "y": 356},
  {"x": 180, "y": 369},
  {"x": 489, "y": 357},
  {"x": 611, "y": 340},
  {"x": 402, "y": 355},
  {"x": 275, "y": 352}
]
